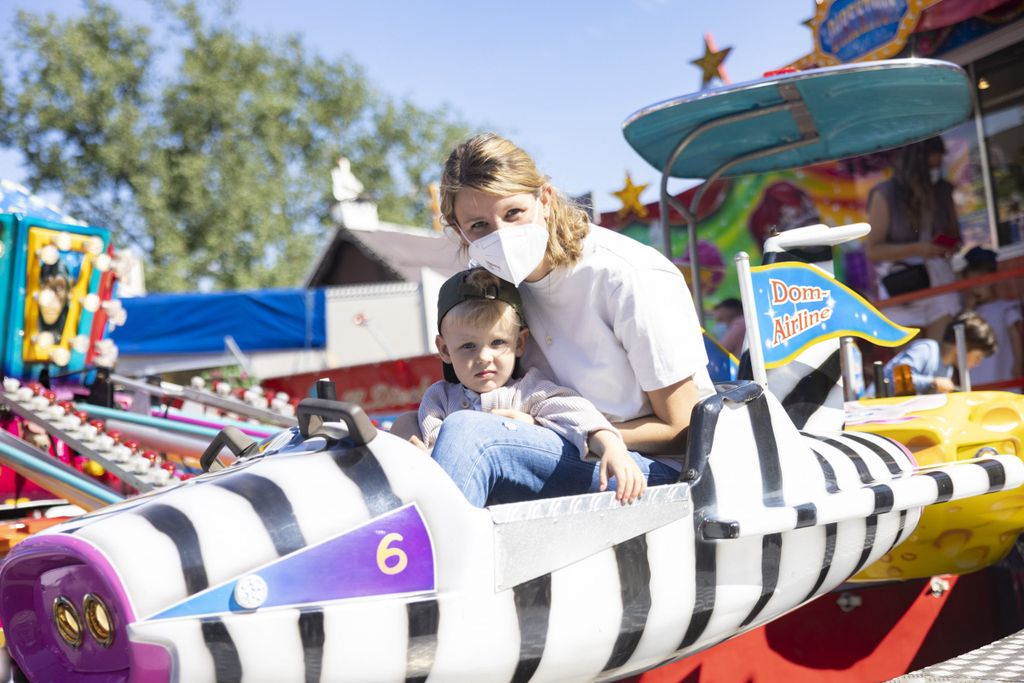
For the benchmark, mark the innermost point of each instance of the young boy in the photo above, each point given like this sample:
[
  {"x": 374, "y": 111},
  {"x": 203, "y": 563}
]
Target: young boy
[
  {"x": 1003, "y": 315},
  {"x": 730, "y": 328},
  {"x": 482, "y": 334},
  {"x": 931, "y": 362}
]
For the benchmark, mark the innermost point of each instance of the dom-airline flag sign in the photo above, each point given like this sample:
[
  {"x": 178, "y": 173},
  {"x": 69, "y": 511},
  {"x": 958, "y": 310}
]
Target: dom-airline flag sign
[{"x": 798, "y": 305}]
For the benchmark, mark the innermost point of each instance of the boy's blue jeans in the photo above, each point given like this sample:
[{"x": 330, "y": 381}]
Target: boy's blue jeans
[{"x": 495, "y": 459}]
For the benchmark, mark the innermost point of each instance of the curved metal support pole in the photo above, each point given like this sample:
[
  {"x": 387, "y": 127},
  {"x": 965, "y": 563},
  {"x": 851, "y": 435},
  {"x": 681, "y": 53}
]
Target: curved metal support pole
[
  {"x": 698, "y": 295},
  {"x": 665, "y": 199}
]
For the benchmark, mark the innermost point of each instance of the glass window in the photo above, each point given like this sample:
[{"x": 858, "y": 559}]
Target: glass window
[
  {"x": 1000, "y": 83},
  {"x": 962, "y": 167}
]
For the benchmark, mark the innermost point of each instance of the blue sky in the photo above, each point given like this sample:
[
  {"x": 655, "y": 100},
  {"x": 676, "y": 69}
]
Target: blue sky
[{"x": 558, "y": 77}]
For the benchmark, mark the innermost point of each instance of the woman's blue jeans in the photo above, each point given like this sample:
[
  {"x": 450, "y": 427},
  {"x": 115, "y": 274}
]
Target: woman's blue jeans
[{"x": 495, "y": 459}]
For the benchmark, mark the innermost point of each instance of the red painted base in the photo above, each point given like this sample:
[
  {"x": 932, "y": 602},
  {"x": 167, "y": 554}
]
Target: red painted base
[{"x": 887, "y": 631}]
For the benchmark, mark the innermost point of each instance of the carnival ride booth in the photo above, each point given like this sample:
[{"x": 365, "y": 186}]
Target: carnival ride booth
[
  {"x": 63, "y": 439},
  {"x": 298, "y": 556},
  {"x": 57, "y": 285}
]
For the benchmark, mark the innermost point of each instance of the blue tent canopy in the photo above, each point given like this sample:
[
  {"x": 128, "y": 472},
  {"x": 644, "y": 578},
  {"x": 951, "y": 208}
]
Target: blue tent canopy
[{"x": 258, "y": 320}]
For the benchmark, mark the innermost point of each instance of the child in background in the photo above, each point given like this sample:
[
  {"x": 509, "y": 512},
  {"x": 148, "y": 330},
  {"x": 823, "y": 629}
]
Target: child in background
[
  {"x": 482, "y": 334},
  {"x": 730, "y": 328},
  {"x": 932, "y": 363},
  {"x": 1003, "y": 315}
]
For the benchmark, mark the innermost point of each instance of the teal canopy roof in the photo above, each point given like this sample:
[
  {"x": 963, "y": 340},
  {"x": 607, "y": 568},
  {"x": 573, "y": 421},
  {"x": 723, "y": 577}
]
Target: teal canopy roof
[{"x": 855, "y": 109}]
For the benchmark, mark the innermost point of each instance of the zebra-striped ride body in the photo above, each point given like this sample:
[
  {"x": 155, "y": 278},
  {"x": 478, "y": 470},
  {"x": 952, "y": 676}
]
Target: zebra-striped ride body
[{"x": 578, "y": 588}]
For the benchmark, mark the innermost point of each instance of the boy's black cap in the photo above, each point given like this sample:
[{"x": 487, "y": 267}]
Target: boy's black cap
[
  {"x": 458, "y": 289},
  {"x": 979, "y": 256}
]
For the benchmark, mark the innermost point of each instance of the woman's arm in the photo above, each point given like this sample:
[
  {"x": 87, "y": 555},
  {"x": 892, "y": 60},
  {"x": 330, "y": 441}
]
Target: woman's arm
[
  {"x": 406, "y": 425},
  {"x": 877, "y": 246},
  {"x": 1015, "y": 345},
  {"x": 663, "y": 433}
]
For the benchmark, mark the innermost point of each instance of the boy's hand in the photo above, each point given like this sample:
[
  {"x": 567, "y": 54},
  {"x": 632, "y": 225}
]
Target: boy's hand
[
  {"x": 515, "y": 415},
  {"x": 616, "y": 462},
  {"x": 943, "y": 385},
  {"x": 416, "y": 441},
  {"x": 631, "y": 481}
]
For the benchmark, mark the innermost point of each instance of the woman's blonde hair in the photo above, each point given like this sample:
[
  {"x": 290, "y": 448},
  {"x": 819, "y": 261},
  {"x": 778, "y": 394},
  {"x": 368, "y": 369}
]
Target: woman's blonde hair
[{"x": 491, "y": 164}]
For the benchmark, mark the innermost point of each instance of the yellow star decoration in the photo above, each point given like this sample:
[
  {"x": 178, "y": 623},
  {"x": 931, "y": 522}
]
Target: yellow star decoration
[
  {"x": 630, "y": 197},
  {"x": 711, "y": 63}
]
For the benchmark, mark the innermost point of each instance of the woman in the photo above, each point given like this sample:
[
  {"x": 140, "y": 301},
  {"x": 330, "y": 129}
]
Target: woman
[
  {"x": 610, "y": 318},
  {"x": 913, "y": 223}
]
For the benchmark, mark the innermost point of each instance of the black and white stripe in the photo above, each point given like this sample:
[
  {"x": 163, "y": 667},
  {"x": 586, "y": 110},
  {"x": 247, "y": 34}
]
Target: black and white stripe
[
  {"x": 311, "y": 633},
  {"x": 635, "y": 591},
  {"x": 226, "y": 664},
  {"x": 272, "y": 506},
  {"x": 533, "y": 612},
  {"x": 424, "y": 616}
]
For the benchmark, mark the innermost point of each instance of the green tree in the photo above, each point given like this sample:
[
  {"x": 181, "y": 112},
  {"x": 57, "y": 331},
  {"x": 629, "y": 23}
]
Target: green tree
[{"x": 213, "y": 155}]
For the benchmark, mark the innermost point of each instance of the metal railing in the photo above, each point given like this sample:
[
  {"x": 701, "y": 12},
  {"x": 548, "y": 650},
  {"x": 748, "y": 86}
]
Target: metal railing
[
  {"x": 966, "y": 283},
  {"x": 957, "y": 286}
]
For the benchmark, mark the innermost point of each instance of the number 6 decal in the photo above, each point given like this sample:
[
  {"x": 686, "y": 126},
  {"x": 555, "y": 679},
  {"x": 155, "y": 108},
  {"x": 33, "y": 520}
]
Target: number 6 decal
[{"x": 385, "y": 552}]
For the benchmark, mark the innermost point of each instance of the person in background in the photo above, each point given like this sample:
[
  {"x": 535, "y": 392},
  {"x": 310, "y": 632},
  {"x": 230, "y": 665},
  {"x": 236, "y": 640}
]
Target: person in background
[
  {"x": 914, "y": 228},
  {"x": 730, "y": 328},
  {"x": 1003, "y": 315},
  {"x": 932, "y": 363}
]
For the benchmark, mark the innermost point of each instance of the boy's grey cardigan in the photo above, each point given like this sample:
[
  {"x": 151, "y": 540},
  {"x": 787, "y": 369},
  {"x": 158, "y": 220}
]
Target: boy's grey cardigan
[{"x": 558, "y": 408}]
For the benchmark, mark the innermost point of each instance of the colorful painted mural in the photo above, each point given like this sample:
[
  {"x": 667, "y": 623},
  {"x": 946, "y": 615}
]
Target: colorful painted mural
[{"x": 740, "y": 213}]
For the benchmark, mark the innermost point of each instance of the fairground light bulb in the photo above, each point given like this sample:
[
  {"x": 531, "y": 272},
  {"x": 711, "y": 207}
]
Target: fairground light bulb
[
  {"x": 106, "y": 353},
  {"x": 121, "y": 267},
  {"x": 103, "y": 263},
  {"x": 63, "y": 241},
  {"x": 47, "y": 298},
  {"x": 94, "y": 246},
  {"x": 60, "y": 356},
  {"x": 80, "y": 343},
  {"x": 49, "y": 254},
  {"x": 44, "y": 340},
  {"x": 91, "y": 303}
]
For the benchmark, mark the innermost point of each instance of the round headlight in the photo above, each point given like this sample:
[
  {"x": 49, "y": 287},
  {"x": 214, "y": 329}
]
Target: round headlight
[
  {"x": 67, "y": 621},
  {"x": 97, "y": 620}
]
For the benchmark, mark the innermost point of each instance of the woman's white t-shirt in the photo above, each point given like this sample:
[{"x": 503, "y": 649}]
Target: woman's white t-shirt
[{"x": 617, "y": 324}]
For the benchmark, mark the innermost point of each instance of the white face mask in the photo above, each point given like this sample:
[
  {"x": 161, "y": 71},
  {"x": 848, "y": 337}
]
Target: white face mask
[
  {"x": 512, "y": 252},
  {"x": 935, "y": 175}
]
